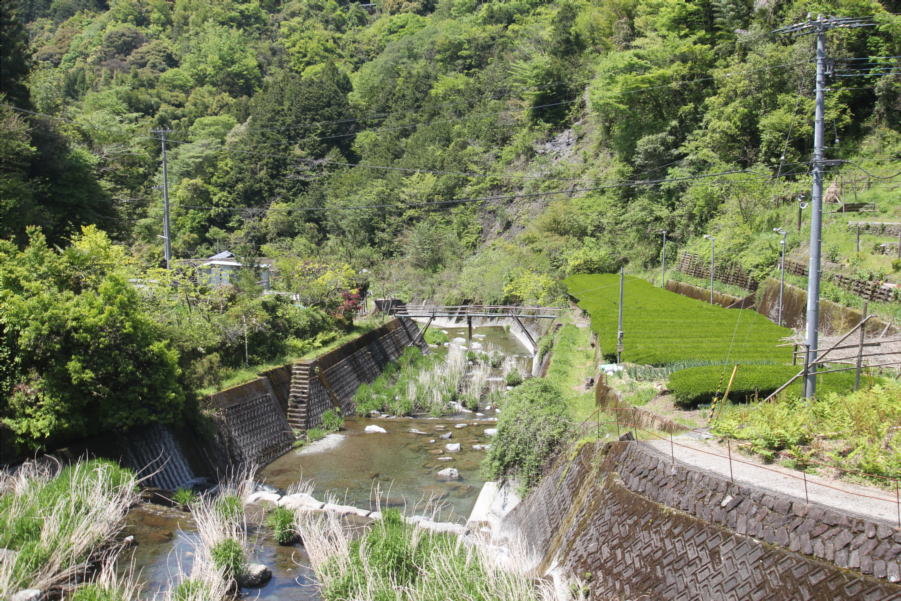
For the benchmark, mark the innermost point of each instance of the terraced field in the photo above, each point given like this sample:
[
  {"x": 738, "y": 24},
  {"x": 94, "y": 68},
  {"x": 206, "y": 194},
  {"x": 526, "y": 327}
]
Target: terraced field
[{"x": 663, "y": 327}]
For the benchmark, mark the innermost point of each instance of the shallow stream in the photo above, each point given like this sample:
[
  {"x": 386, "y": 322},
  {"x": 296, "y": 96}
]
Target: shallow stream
[{"x": 397, "y": 469}]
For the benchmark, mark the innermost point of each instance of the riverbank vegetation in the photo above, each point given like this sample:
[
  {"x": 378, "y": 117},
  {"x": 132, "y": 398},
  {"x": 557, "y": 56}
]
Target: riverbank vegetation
[
  {"x": 534, "y": 424},
  {"x": 55, "y": 519},
  {"x": 856, "y": 431},
  {"x": 401, "y": 562},
  {"x": 437, "y": 383}
]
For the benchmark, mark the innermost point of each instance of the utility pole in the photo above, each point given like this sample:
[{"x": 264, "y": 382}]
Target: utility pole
[
  {"x": 663, "y": 266},
  {"x": 712, "y": 263},
  {"x": 167, "y": 247},
  {"x": 782, "y": 232},
  {"x": 818, "y": 26},
  {"x": 619, "y": 333}
]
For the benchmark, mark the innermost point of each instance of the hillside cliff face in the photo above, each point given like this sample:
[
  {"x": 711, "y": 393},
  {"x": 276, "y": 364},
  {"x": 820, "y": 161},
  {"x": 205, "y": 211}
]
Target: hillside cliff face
[{"x": 456, "y": 149}]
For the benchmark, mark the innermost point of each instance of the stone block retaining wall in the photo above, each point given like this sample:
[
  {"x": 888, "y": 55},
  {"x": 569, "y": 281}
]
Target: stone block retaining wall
[
  {"x": 332, "y": 379},
  {"x": 632, "y": 525}
]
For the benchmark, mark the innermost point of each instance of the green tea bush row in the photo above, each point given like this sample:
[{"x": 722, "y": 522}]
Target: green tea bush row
[
  {"x": 697, "y": 385},
  {"x": 663, "y": 327}
]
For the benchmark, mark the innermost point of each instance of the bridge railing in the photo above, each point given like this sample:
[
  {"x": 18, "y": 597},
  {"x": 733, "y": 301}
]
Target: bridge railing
[{"x": 473, "y": 310}]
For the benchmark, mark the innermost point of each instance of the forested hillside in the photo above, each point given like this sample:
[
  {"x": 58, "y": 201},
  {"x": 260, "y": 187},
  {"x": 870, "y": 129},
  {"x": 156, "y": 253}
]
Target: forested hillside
[{"x": 447, "y": 149}]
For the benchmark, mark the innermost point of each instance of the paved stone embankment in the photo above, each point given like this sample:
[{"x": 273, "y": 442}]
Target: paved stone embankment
[{"x": 635, "y": 525}]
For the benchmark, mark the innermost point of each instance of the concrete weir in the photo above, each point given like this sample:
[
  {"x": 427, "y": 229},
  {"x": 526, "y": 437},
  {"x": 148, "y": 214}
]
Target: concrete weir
[{"x": 630, "y": 524}]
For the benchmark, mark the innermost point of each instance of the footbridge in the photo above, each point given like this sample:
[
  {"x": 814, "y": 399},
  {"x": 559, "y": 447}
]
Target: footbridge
[{"x": 460, "y": 312}]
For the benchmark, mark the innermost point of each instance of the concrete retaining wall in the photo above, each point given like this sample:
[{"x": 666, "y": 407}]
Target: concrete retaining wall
[
  {"x": 635, "y": 526},
  {"x": 332, "y": 379}
]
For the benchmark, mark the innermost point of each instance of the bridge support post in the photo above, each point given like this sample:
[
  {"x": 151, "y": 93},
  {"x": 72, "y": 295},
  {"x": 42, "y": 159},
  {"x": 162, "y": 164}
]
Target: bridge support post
[{"x": 469, "y": 329}]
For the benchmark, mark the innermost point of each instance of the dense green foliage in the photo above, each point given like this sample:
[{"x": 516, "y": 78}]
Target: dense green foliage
[
  {"x": 453, "y": 150},
  {"x": 55, "y": 521},
  {"x": 95, "y": 592},
  {"x": 533, "y": 425},
  {"x": 856, "y": 431},
  {"x": 663, "y": 327},
  {"x": 80, "y": 355},
  {"x": 281, "y": 520},
  {"x": 696, "y": 385},
  {"x": 285, "y": 113},
  {"x": 89, "y": 342},
  {"x": 228, "y": 557},
  {"x": 332, "y": 421}
]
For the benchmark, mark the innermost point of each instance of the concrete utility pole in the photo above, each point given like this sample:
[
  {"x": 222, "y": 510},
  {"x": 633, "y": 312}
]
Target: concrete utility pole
[
  {"x": 167, "y": 247},
  {"x": 712, "y": 263},
  {"x": 782, "y": 232},
  {"x": 663, "y": 266},
  {"x": 818, "y": 26}
]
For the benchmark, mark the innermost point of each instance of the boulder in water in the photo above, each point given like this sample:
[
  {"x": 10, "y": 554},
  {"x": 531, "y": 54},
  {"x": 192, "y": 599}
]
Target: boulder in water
[
  {"x": 458, "y": 426},
  {"x": 446, "y": 436},
  {"x": 449, "y": 473},
  {"x": 444, "y": 458},
  {"x": 453, "y": 447},
  {"x": 481, "y": 447},
  {"x": 301, "y": 501},
  {"x": 255, "y": 576},
  {"x": 373, "y": 429},
  {"x": 420, "y": 432},
  {"x": 490, "y": 431},
  {"x": 29, "y": 594},
  {"x": 263, "y": 497}
]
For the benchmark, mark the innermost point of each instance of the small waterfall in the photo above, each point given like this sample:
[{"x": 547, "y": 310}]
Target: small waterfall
[
  {"x": 259, "y": 430},
  {"x": 153, "y": 450}
]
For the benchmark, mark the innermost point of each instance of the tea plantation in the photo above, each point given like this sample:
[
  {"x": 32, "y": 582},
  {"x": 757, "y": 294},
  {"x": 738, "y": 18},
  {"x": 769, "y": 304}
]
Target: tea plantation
[
  {"x": 663, "y": 327},
  {"x": 697, "y": 385}
]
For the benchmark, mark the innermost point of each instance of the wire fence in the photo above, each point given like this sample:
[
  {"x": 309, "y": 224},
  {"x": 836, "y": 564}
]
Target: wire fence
[{"x": 880, "y": 504}]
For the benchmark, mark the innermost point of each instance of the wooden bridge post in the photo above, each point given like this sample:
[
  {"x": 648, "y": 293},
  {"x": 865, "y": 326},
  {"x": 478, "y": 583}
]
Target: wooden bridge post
[{"x": 469, "y": 329}]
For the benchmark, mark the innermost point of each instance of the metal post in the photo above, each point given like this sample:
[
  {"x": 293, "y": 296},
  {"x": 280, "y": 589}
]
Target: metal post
[
  {"x": 816, "y": 220},
  {"x": 863, "y": 328},
  {"x": 781, "y": 231},
  {"x": 729, "y": 447},
  {"x": 712, "y": 262},
  {"x": 663, "y": 267},
  {"x": 619, "y": 333},
  {"x": 806, "y": 498},
  {"x": 167, "y": 248}
]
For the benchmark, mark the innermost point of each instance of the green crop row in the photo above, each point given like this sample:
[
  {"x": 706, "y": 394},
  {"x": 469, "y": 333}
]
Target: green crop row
[
  {"x": 697, "y": 385},
  {"x": 662, "y": 327}
]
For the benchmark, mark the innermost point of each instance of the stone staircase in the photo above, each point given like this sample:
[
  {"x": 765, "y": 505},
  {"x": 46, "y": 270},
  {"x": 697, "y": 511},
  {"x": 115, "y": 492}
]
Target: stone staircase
[{"x": 301, "y": 374}]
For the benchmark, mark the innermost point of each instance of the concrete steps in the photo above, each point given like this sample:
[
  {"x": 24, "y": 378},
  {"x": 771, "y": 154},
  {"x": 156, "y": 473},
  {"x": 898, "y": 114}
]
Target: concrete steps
[{"x": 298, "y": 395}]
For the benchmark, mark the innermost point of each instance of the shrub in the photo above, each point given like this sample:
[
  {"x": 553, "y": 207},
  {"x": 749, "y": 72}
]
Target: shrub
[
  {"x": 862, "y": 423},
  {"x": 533, "y": 426},
  {"x": 314, "y": 434},
  {"x": 229, "y": 507},
  {"x": 281, "y": 520},
  {"x": 514, "y": 378},
  {"x": 228, "y": 556},
  {"x": 184, "y": 496},
  {"x": 332, "y": 421},
  {"x": 697, "y": 385},
  {"x": 188, "y": 590},
  {"x": 436, "y": 337},
  {"x": 664, "y": 327},
  {"x": 95, "y": 592},
  {"x": 55, "y": 520}
]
